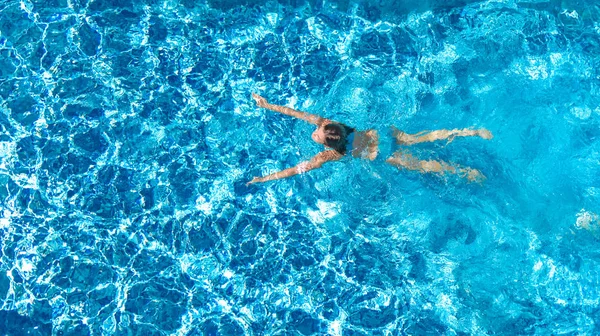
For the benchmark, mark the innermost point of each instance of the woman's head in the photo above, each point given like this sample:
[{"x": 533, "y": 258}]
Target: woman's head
[{"x": 332, "y": 135}]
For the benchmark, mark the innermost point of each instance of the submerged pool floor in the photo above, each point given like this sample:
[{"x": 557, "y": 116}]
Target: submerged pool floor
[{"x": 127, "y": 135}]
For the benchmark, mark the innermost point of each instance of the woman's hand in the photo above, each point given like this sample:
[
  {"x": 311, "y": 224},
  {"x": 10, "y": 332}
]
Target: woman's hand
[
  {"x": 255, "y": 180},
  {"x": 260, "y": 101}
]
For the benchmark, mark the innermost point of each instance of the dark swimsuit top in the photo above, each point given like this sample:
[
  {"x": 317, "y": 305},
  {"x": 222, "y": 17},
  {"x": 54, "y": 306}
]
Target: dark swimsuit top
[
  {"x": 349, "y": 142},
  {"x": 349, "y": 138}
]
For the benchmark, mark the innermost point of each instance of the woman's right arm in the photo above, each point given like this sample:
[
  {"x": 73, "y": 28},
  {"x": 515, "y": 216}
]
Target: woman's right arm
[{"x": 311, "y": 118}]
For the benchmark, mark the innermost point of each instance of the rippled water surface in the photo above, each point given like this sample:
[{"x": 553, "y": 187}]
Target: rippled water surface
[{"x": 127, "y": 134}]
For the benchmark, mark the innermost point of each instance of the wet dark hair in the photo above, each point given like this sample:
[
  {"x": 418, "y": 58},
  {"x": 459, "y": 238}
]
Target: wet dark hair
[{"x": 336, "y": 136}]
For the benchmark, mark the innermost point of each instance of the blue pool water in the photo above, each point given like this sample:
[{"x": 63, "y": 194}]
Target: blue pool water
[{"x": 127, "y": 134}]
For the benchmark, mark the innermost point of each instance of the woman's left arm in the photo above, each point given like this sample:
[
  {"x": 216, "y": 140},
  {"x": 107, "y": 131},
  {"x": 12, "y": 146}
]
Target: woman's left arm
[{"x": 316, "y": 162}]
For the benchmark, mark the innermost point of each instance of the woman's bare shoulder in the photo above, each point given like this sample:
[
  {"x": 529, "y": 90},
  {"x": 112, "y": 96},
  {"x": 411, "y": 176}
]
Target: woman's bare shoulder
[{"x": 370, "y": 133}]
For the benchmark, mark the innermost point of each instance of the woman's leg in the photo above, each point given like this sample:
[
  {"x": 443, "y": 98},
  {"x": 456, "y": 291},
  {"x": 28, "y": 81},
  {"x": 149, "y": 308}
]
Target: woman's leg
[
  {"x": 403, "y": 159},
  {"x": 424, "y": 136}
]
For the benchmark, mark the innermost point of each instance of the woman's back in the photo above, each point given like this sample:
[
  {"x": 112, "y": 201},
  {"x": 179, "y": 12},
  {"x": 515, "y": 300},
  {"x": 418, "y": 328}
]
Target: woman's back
[{"x": 364, "y": 144}]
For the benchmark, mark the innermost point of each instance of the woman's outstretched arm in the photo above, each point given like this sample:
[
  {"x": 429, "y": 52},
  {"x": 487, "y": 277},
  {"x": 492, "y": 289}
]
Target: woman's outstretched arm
[
  {"x": 311, "y": 118},
  {"x": 316, "y": 162}
]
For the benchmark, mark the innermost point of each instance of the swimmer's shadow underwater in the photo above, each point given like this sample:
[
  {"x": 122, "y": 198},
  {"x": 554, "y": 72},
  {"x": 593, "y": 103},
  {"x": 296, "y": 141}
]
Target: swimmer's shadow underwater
[{"x": 343, "y": 140}]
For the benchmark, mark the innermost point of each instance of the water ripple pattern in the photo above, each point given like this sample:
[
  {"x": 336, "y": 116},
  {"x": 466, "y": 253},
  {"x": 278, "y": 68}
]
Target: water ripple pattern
[{"x": 127, "y": 134}]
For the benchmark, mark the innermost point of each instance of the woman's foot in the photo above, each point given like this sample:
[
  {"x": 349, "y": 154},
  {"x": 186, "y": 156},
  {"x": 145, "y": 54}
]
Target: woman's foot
[
  {"x": 485, "y": 134},
  {"x": 473, "y": 175}
]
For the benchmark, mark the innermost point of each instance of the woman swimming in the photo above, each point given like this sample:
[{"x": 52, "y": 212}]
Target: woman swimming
[{"x": 345, "y": 140}]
